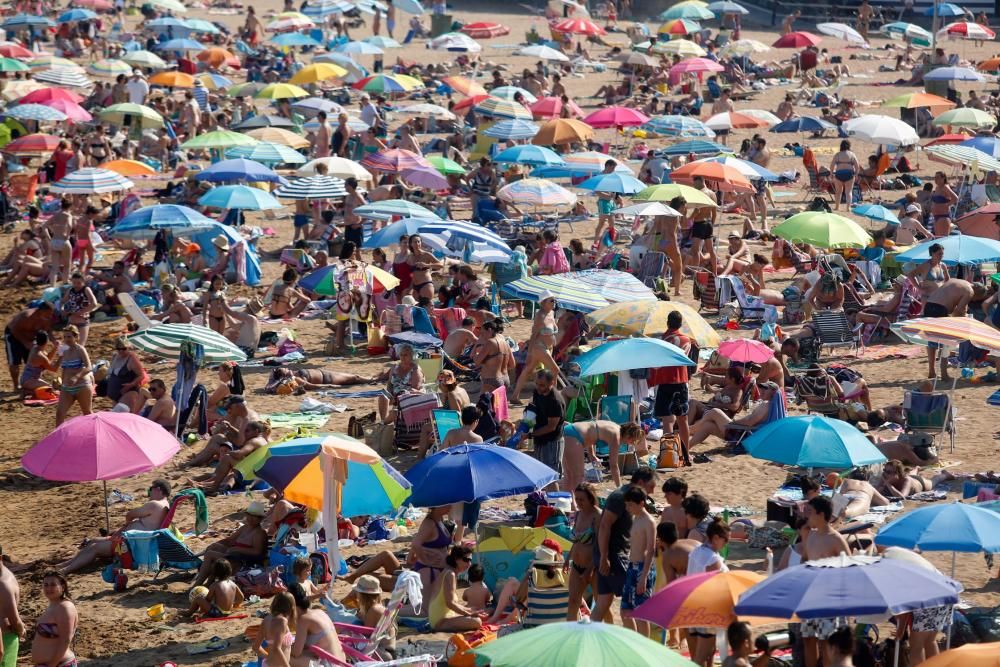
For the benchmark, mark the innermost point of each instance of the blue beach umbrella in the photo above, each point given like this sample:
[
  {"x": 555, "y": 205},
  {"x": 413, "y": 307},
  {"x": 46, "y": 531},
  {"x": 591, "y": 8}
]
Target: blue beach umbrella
[
  {"x": 217, "y": 80},
  {"x": 392, "y": 207},
  {"x": 615, "y": 182},
  {"x": 360, "y": 49},
  {"x": 201, "y": 25},
  {"x": 848, "y": 586},
  {"x": 512, "y": 129},
  {"x": 945, "y": 9},
  {"x": 944, "y": 527},
  {"x": 696, "y": 146},
  {"x": 678, "y": 126},
  {"x": 38, "y": 112},
  {"x": 569, "y": 294},
  {"x": 181, "y": 45},
  {"x": 241, "y": 197},
  {"x": 803, "y": 124},
  {"x": 294, "y": 39},
  {"x": 727, "y": 7},
  {"x": 267, "y": 152},
  {"x": 876, "y": 212},
  {"x": 26, "y": 21},
  {"x": 986, "y": 144},
  {"x": 535, "y": 156},
  {"x": 390, "y": 234},
  {"x": 474, "y": 473},
  {"x": 466, "y": 241},
  {"x": 630, "y": 353},
  {"x": 167, "y": 22},
  {"x": 77, "y": 14},
  {"x": 239, "y": 169},
  {"x": 144, "y": 223},
  {"x": 958, "y": 249},
  {"x": 812, "y": 441}
]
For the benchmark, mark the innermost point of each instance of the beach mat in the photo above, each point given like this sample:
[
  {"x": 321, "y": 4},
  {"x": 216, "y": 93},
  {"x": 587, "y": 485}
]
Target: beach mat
[
  {"x": 297, "y": 420},
  {"x": 364, "y": 393},
  {"x": 903, "y": 351}
]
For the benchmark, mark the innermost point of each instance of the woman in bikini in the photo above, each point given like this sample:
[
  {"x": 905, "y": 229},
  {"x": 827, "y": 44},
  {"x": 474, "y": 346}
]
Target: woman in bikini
[
  {"x": 38, "y": 362},
  {"x": 276, "y": 631},
  {"x": 665, "y": 240},
  {"x": 422, "y": 263},
  {"x": 540, "y": 344},
  {"x": 405, "y": 376},
  {"x": 77, "y": 381},
  {"x": 401, "y": 267},
  {"x": 581, "y": 555},
  {"x": 230, "y": 382},
  {"x": 56, "y": 627},
  {"x": 942, "y": 199},
  {"x": 897, "y": 481},
  {"x": 739, "y": 256},
  {"x": 586, "y": 436},
  {"x": 931, "y": 274},
  {"x": 845, "y": 168},
  {"x": 313, "y": 628},
  {"x": 429, "y": 548},
  {"x": 492, "y": 355},
  {"x": 284, "y": 294},
  {"x": 78, "y": 302},
  {"x": 213, "y": 305},
  {"x": 470, "y": 287},
  {"x": 83, "y": 228}
]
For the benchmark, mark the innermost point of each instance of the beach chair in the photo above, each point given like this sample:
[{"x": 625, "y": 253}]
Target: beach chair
[
  {"x": 833, "y": 329},
  {"x": 543, "y": 605},
  {"x": 706, "y": 290},
  {"x": 174, "y": 554},
  {"x": 620, "y": 410},
  {"x": 442, "y": 421},
  {"x": 653, "y": 265},
  {"x": 736, "y": 433},
  {"x": 906, "y": 307},
  {"x": 431, "y": 367},
  {"x": 931, "y": 413},
  {"x": 817, "y": 393},
  {"x": 361, "y": 643},
  {"x": 134, "y": 312},
  {"x": 413, "y": 411},
  {"x": 751, "y": 307}
]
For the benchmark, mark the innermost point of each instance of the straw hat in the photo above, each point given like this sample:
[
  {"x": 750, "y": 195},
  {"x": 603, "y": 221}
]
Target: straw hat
[
  {"x": 221, "y": 242},
  {"x": 368, "y": 585}
]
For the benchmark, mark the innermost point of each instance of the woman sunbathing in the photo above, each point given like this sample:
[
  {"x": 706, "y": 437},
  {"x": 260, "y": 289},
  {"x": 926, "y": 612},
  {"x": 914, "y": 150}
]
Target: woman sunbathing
[
  {"x": 300, "y": 380},
  {"x": 902, "y": 482}
]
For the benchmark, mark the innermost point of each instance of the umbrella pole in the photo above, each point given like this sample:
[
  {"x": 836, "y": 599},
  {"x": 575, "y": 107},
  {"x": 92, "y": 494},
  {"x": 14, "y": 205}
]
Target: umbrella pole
[
  {"x": 895, "y": 651},
  {"x": 951, "y": 616},
  {"x": 107, "y": 512}
]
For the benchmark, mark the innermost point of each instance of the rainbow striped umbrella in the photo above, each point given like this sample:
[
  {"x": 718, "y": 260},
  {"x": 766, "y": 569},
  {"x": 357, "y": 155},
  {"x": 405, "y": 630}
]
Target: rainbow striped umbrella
[
  {"x": 949, "y": 332},
  {"x": 389, "y": 83},
  {"x": 395, "y": 160},
  {"x": 91, "y": 180},
  {"x": 500, "y": 108},
  {"x": 537, "y": 193},
  {"x": 49, "y": 61}
]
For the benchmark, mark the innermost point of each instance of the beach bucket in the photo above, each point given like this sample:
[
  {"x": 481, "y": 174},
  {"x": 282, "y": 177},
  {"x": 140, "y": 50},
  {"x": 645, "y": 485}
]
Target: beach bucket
[{"x": 157, "y": 612}]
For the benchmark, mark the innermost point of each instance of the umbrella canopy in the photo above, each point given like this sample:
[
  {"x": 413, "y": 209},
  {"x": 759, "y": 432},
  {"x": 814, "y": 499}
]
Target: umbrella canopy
[
  {"x": 695, "y": 66},
  {"x": 629, "y": 353},
  {"x": 12, "y": 65},
  {"x": 71, "y": 15},
  {"x": 687, "y": 10},
  {"x": 361, "y": 49},
  {"x": 948, "y": 332},
  {"x": 293, "y": 467},
  {"x": 648, "y": 209},
  {"x": 529, "y": 154},
  {"x": 750, "y": 170},
  {"x": 734, "y": 120},
  {"x": 338, "y": 167},
  {"x": 277, "y": 135},
  {"x": 394, "y": 161},
  {"x": 165, "y": 341},
  {"x": 143, "y": 58},
  {"x": 92, "y": 180},
  {"x": 945, "y": 9},
  {"x": 876, "y": 212},
  {"x": 144, "y": 223},
  {"x": 389, "y": 83},
  {"x": 727, "y": 7},
  {"x": 100, "y": 446},
  {"x": 238, "y": 169},
  {"x": 908, "y": 31},
  {"x": 848, "y": 586},
  {"x": 721, "y": 176},
  {"x": 131, "y": 168},
  {"x": 964, "y": 156},
  {"x": 474, "y": 473},
  {"x": 958, "y": 249},
  {"x": 986, "y": 144},
  {"x": 980, "y": 222},
  {"x": 582, "y": 291},
  {"x": 967, "y": 30},
  {"x": 217, "y": 57},
  {"x": 425, "y": 110},
  {"x": 138, "y": 113},
  {"x": 180, "y": 45},
  {"x": 446, "y": 166},
  {"x": 684, "y": 48},
  {"x": 563, "y": 131},
  {"x": 325, "y": 280},
  {"x": 383, "y": 41},
  {"x": 616, "y": 182},
  {"x": 578, "y": 644},
  {"x": 313, "y": 187},
  {"x": 317, "y": 72},
  {"x": 536, "y": 193},
  {"x": 391, "y": 234},
  {"x": 823, "y": 230},
  {"x": 47, "y": 95},
  {"x": 552, "y": 107},
  {"x": 32, "y": 144},
  {"x": 241, "y": 197},
  {"x": 699, "y": 600},
  {"x": 679, "y": 27},
  {"x": 744, "y": 47},
  {"x": 953, "y": 74},
  {"x": 918, "y": 100},
  {"x": 667, "y": 191},
  {"x": 797, "y": 40},
  {"x": 746, "y": 350},
  {"x": 584, "y": 163},
  {"x": 494, "y": 107},
  {"x": 268, "y": 153},
  {"x": 882, "y": 130},
  {"x": 281, "y": 91},
  {"x": 803, "y": 124},
  {"x": 219, "y": 139},
  {"x": 36, "y": 112},
  {"x": 510, "y": 92},
  {"x": 678, "y": 126},
  {"x": 696, "y": 146},
  {"x": 813, "y": 442},
  {"x": 455, "y": 41},
  {"x": 970, "y": 655},
  {"x": 965, "y": 117},
  {"x": 580, "y": 25},
  {"x": 467, "y": 87},
  {"x": 542, "y": 52},
  {"x": 26, "y": 21},
  {"x": 649, "y": 318},
  {"x": 388, "y": 208},
  {"x": 616, "y": 117},
  {"x": 264, "y": 120},
  {"x": 842, "y": 31},
  {"x": 513, "y": 129},
  {"x": 485, "y": 30},
  {"x": 465, "y": 240},
  {"x": 944, "y": 527},
  {"x": 311, "y": 106}
]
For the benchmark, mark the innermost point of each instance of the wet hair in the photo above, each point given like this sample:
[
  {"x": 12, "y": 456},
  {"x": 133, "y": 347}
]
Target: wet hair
[
  {"x": 643, "y": 474},
  {"x": 666, "y": 532},
  {"x": 52, "y": 574},
  {"x": 588, "y": 490},
  {"x": 470, "y": 415},
  {"x": 823, "y": 505},
  {"x": 457, "y": 553},
  {"x": 161, "y": 484},
  {"x": 738, "y": 633},
  {"x": 476, "y": 573},
  {"x": 675, "y": 485},
  {"x": 283, "y": 604},
  {"x": 221, "y": 569},
  {"x": 635, "y": 495},
  {"x": 717, "y": 528},
  {"x": 696, "y": 505}
]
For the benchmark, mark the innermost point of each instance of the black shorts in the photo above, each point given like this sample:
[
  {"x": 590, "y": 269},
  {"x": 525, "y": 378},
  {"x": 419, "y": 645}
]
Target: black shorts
[
  {"x": 614, "y": 582},
  {"x": 354, "y": 234},
  {"x": 702, "y": 230},
  {"x": 671, "y": 400},
  {"x": 935, "y": 310},
  {"x": 17, "y": 353}
]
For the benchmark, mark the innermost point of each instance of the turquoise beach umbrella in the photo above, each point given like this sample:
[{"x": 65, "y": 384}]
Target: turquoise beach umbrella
[{"x": 813, "y": 442}]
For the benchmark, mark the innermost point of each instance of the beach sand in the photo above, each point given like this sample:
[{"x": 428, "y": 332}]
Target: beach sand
[{"x": 42, "y": 522}]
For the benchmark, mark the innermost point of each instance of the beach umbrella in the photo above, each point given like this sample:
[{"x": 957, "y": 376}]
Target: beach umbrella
[
  {"x": 631, "y": 353},
  {"x": 290, "y": 21},
  {"x": 542, "y": 52},
  {"x": 48, "y": 61},
  {"x": 980, "y": 222},
  {"x": 881, "y": 130},
  {"x": 485, "y": 30},
  {"x": 264, "y": 120},
  {"x": 990, "y": 64},
  {"x": 355, "y": 72},
  {"x": 949, "y": 138},
  {"x": 552, "y": 107},
  {"x": 563, "y": 131},
  {"x": 734, "y": 120},
  {"x": 842, "y": 31},
  {"x": 750, "y": 170},
  {"x": 267, "y": 152},
  {"x": 958, "y": 249},
  {"x": 165, "y": 341},
  {"x": 695, "y": 146},
  {"x": 32, "y": 144},
  {"x": 166, "y": 22},
  {"x": 948, "y": 332},
  {"x": 803, "y": 124},
  {"x": 955, "y": 527},
  {"x": 848, "y": 586},
  {"x": 616, "y": 117},
  {"x": 64, "y": 77},
  {"x": 647, "y": 209},
  {"x": 813, "y": 441},
  {"x": 797, "y": 40},
  {"x": 986, "y": 144},
  {"x": 202, "y": 26},
  {"x": 293, "y": 467},
  {"x": 218, "y": 139},
  {"x": 615, "y": 182},
  {"x": 311, "y": 106},
  {"x": 143, "y": 58},
  {"x": 109, "y": 68},
  {"x": 762, "y": 114},
  {"x": 36, "y": 112},
  {"x": 966, "y": 117},
  {"x": 536, "y": 193},
  {"x": 908, "y": 32},
  {"x": 510, "y": 92},
  {"x": 918, "y": 100},
  {"x": 569, "y": 294},
  {"x": 409, "y": 6},
  {"x": 91, "y": 180},
  {"x": 290, "y": 39},
  {"x": 144, "y": 223},
  {"x": 383, "y": 42},
  {"x": 746, "y": 350},
  {"x": 139, "y": 114},
  {"x": 73, "y": 111},
  {"x": 238, "y": 169},
  {"x": 529, "y": 154},
  {"x": 667, "y": 191},
  {"x": 426, "y": 110},
  {"x": 325, "y": 280},
  {"x": 465, "y": 86},
  {"x": 495, "y": 107},
  {"x": 99, "y": 5},
  {"x": 313, "y": 187},
  {"x": 584, "y": 163},
  {"x": 696, "y": 66},
  {"x": 636, "y": 58},
  {"x": 277, "y": 135},
  {"x": 101, "y": 446},
  {"x": 172, "y": 79},
  {"x": 967, "y": 30},
  {"x": 614, "y": 286},
  {"x": 679, "y": 27},
  {"x": 12, "y": 65},
  {"x": 580, "y": 25},
  {"x": 512, "y": 129},
  {"x": 474, "y": 473},
  {"x": 281, "y": 91},
  {"x": 360, "y": 49},
  {"x": 467, "y": 241},
  {"x": 876, "y": 212},
  {"x": 744, "y": 47},
  {"x": 390, "y": 234},
  {"x": 953, "y": 74},
  {"x": 970, "y": 655},
  {"x": 424, "y": 177},
  {"x": 678, "y": 126},
  {"x": 322, "y": 8},
  {"x": 72, "y": 15},
  {"x": 170, "y": 5},
  {"x": 394, "y": 161},
  {"x": 649, "y": 318},
  {"x": 702, "y": 600},
  {"x": 12, "y": 50},
  {"x": 241, "y": 197},
  {"x": 217, "y": 57},
  {"x": 129, "y": 168},
  {"x": 823, "y": 230},
  {"x": 963, "y": 156},
  {"x": 389, "y": 208},
  {"x": 721, "y": 176},
  {"x": 726, "y": 7},
  {"x": 338, "y": 167},
  {"x": 680, "y": 47},
  {"x": 578, "y": 644},
  {"x": 945, "y": 9},
  {"x": 248, "y": 89},
  {"x": 180, "y": 45},
  {"x": 19, "y": 21},
  {"x": 389, "y": 83},
  {"x": 446, "y": 166},
  {"x": 687, "y": 10},
  {"x": 454, "y": 41}
]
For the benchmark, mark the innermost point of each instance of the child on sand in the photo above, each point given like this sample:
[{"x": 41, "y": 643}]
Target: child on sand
[
  {"x": 641, "y": 573},
  {"x": 223, "y": 594},
  {"x": 275, "y": 630},
  {"x": 740, "y": 638},
  {"x": 302, "y": 569},
  {"x": 477, "y": 595}
]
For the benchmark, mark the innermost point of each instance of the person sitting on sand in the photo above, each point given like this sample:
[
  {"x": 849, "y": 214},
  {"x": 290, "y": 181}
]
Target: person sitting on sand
[
  {"x": 230, "y": 382},
  {"x": 227, "y": 435},
  {"x": 444, "y": 612},
  {"x": 368, "y": 593},
  {"x": 715, "y": 421},
  {"x": 313, "y": 628},
  {"x": 275, "y": 629},
  {"x": 404, "y": 377},
  {"x": 458, "y": 340},
  {"x": 148, "y": 517},
  {"x": 255, "y": 435},
  {"x": 286, "y": 301},
  {"x": 899, "y": 481},
  {"x": 245, "y": 547},
  {"x": 221, "y": 598},
  {"x": 38, "y": 362},
  {"x": 175, "y": 311},
  {"x": 726, "y": 399},
  {"x": 163, "y": 411},
  {"x": 245, "y": 333}
]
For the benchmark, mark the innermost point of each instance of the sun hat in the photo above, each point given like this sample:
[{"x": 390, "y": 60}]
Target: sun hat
[
  {"x": 544, "y": 295},
  {"x": 256, "y": 508},
  {"x": 408, "y": 300},
  {"x": 221, "y": 242},
  {"x": 546, "y": 556},
  {"x": 367, "y": 584},
  {"x": 913, "y": 208}
]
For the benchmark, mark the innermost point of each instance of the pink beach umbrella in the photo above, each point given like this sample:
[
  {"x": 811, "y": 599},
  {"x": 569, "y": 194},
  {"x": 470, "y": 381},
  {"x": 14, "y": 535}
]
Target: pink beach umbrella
[
  {"x": 696, "y": 65},
  {"x": 551, "y": 107},
  {"x": 744, "y": 350},
  {"x": 73, "y": 111},
  {"x": 425, "y": 178},
  {"x": 616, "y": 117},
  {"x": 395, "y": 161},
  {"x": 100, "y": 446}
]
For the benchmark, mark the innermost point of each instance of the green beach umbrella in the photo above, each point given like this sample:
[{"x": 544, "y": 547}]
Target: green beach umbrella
[
  {"x": 445, "y": 166},
  {"x": 140, "y": 113},
  {"x": 219, "y": 139},
  {"x": 248, "y": 89},
  {"x": 166, "y": 340},
  {"x": 823, "y": 230},
  {"x": 965, "y": 117},
  {"x": 12, "y": 65},
  {"x": 578, "y": 644}
]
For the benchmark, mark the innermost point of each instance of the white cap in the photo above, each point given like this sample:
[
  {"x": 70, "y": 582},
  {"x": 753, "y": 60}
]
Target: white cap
[{"x": 545, "y": 294}]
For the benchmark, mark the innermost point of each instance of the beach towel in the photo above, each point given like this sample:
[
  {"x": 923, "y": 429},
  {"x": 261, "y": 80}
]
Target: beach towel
[
  {"x": 196, "y": 496},
  {"x": 142, "y": 546},
  {"x": 364, "y": 393},
  {"x": 297, "y": 420}
]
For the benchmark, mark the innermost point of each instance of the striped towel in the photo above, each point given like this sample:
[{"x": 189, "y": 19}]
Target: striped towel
[
  {"x": 297, "y": 420},
  {"x": 364, "y": 393}
]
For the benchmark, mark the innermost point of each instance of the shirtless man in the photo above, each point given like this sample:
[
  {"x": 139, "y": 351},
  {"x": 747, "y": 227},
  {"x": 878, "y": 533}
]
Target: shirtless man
[
  {"x": 148, "y": 517},
  {"x": 254, "y": 437},
  {"x": 163, "y": 411},
  {"x": 11, "y": 626},
  {"x": 823, "y": 542},
  {"x": 301, "y": 219},
  {"x": 492, "y": 356},
  {"x": 118, "y": 279},
  {"x": 175, "y": 311},
  {"x": 60, "y": 253},
  {"x": 352, "y": 221},
  {"x": 19, "y": 337},
  {"x": 246, "y": 333},
  {"x": 951, "y": 299},
  {"x": 465, "y": 433},
  {"x": 722, "y": 105},
  {"x": 407, "y": 141},
  {"x": 640, "y": 576},
  {"x": 324, "y": 138},
  {"x": 81, "y": 233},
  {"x": 459, "y": 339},
  {"x": 665, "y": 229},
  {"x": 772, "y": 371},
  {"x": 283, "y": 295},
  {"x": 227, "y": 434}
]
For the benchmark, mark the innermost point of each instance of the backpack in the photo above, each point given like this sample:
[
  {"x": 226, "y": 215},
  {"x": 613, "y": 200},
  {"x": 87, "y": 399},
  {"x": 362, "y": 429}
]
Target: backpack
[
  {"x": 264, "y": 583},
  {"x": 321, "y": 572},
  {"x": 670, "y": 452}
]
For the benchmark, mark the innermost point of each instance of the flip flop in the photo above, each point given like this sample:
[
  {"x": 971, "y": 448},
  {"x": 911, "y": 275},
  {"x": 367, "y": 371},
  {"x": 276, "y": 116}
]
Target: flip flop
[{"x": 212, "y": 645}]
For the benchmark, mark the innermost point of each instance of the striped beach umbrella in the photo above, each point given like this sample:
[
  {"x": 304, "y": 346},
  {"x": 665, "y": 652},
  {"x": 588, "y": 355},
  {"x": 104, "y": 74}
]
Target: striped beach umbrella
[
  {"x": 48, "y": 61},
  {"x": 536, "y": 193},
  {"x": 219, "y": 139},
  {"x": 426, "y": 110},
  {"x": 678, "y": 126},
  {"x": 277, "y": 135},
  {"x": 143, "y": 58},
  {"x": 165, "y": 341},
  {"x": 313, "y": 187},
  {"x": 139, "y": 113},
  {"x": 267, "y": 152},
  {"x": 311, "y": 106},
  {"x": 394, "y": 161},
  {"x": 91, "y": 181},
  {"x": 323, "y": 8},
  {"x": 32, "y": 144},
  {"x": 512, "y": 129},
  {"x": 751, "y": 171},
  {"x": 394, "y": 207},
  {"x": 580, "y": 25},
  {"x": 498, "y": 108},
  {"x": 948, "y": 332},
  {"x": 36, "y": 112},
  {"x": 614, "y": 286},
  {"x": 962, "y": 155},
  {"x": 510, "y": 92},
  {"x": 649, "y": 318},
  {"x": 388, "y": 83},
  {"x": 64, "y": 77},
  {"x": 456, "y": 236},
  {"x": 967, "y": 30},
  {"x": 109, "y": 68},
  {"x": 569, "y": 294},
  {"x": 144, "y": 223}
]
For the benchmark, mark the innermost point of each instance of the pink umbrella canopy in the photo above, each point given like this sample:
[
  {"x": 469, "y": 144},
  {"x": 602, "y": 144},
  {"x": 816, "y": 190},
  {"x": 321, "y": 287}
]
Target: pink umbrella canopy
[
  {"x": 616, "y": 117},
  {"x": 551, "y": 107},
  {"x": 744, "y": 351},
  {"x": 395, "y": 161},
  {"x": 425, "y": 178},
  {"x": 100, "y": 446},
  {"x": 694, "y": 65},
  {"x": 73, "y": 111}
]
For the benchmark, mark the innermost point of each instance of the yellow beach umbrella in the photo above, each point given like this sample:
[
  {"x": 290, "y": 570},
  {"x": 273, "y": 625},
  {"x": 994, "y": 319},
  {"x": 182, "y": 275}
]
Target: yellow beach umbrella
[
  {"x": 172, "y": 79},
  {"x": 649, "y": 318},
  {"x": 681, "y": 47},
  {"x": 276, "y": 135},
  {"x": 281, "y": 91},
  {"x": 318, "y": 72}
]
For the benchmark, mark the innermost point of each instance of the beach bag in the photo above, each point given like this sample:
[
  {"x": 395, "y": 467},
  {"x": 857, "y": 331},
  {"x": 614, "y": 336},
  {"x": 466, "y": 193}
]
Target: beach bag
[
  {"x": 320, "y": 573},
  {"x": 377, "y": 344},
  {"x": 670, "y": 452},
  {"x": 380, "y": 437},
  {"x": 460, "y": 646},
  {"x": 356, "y": 425},
  {"x": 264, "y": 583}
]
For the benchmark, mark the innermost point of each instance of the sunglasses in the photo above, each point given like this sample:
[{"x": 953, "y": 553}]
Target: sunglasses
[{"x": 468, "y": 560}]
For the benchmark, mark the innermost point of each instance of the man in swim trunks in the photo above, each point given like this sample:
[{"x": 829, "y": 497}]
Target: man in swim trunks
[
  {"x": 949, "y": 300},
  {"x": 246, "y": 332},
  {"x": 11, "y": 627},
  {"x": 163, "y": 411},
  {"x": 823, "y": 542},
  {"x": 352, "y": 221},
  {"x": 703, "y": 228},
  {"x": 227, "y": 434},
  {"x": 19, "y": 336}
]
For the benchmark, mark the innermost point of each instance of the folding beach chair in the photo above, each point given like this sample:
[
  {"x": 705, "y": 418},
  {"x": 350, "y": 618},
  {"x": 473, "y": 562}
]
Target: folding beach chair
[
  {"x": 833, "y": 329},
  {"x": 361, "y": 643},
  {"x": 751, "y": 307},
  {"x": 736, "y": 433},
  {"x": 133, "y": 311},
  {"x": 706, "y": 290},
  {"x": 930, "y": 412},
  {"x": 431, "y": 367},
  {"x": 620, "y": 410},
  {"x": 443, "y": 421},
  {"x": 651, "y": 266}
]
